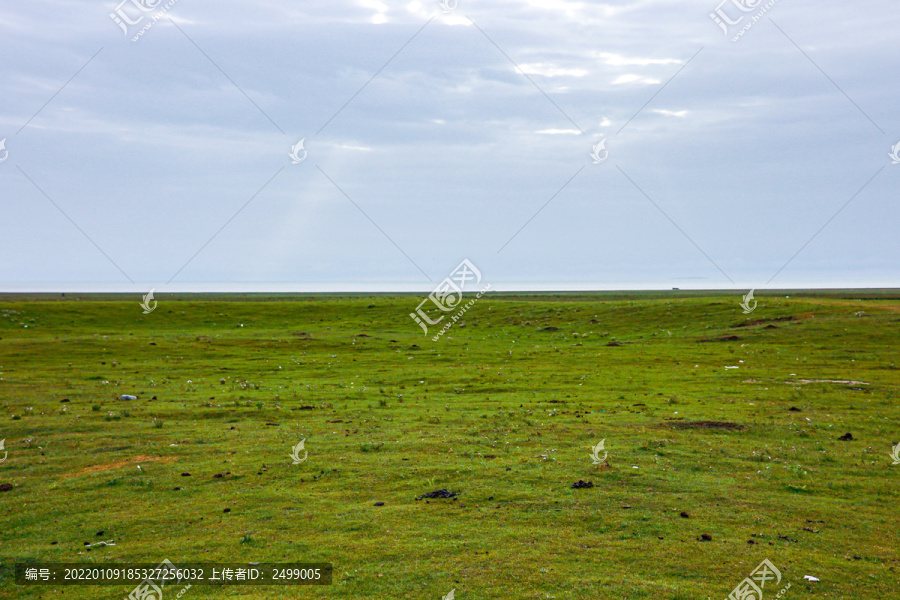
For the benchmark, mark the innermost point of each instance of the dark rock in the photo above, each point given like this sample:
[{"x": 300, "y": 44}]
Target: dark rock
[
  {"x": 705, "y": 538},
  {"x": 226, "y": 510},
  {"x": 185, "y": 474},
  {"x": 685, "y": 515},
  {"x": 847, "y": 437},
  {"x": 794, "y": 409},
  {"x": 64, "y": 400},
  {"x": 442, "y": 493},
  {"x": 580, "y": 484},
  {"x": 379, "y": 504}
]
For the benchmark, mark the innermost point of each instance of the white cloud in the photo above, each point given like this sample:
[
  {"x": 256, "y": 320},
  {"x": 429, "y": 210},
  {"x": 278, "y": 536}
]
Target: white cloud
[
  {"x": 617, "y": 60},
  {"x": 670, "y": 113},
  {"x": 559, "y": 131},
  {"x": 550, "y": 70},
  {"x": 632, "y": 78}
]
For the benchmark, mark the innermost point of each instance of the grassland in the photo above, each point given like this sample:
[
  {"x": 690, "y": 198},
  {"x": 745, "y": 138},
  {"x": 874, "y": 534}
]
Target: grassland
[{"x": 503, "y": 410}]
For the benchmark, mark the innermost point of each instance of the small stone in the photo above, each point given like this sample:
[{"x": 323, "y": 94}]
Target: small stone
[
  {"x": 379, "y": 504},
  {"x": 127, "y": 397}
]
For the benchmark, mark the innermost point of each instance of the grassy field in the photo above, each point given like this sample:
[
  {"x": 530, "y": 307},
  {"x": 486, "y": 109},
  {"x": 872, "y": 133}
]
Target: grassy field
[{"x": 503, "y": 410}]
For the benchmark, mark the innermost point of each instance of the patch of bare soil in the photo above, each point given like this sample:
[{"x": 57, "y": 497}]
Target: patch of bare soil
[
  {"x": 844, "y": 381},
  {"x": 121, "y": 463},
  {"x": 707, "y": 425}
]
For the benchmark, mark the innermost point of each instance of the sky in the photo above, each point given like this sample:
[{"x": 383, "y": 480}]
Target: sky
[{"x": 554, "y": 144}]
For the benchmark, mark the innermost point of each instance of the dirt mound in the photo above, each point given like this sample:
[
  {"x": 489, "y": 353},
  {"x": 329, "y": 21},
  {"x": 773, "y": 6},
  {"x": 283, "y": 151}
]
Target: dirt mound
[
  {"x": 442, "y": 493},
  {"x": 707, "y": 425}
]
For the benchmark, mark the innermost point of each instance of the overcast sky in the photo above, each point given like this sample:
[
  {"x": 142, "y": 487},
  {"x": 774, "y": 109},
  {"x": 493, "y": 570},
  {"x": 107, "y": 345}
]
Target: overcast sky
[{"x": 431, "y": 136}]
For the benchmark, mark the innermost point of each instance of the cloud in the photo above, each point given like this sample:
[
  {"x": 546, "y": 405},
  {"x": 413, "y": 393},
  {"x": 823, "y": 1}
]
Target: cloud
[
  {"x": 632, "y": 78},
  {"x": 559, "y": 132},
  {"x": 550, "y": 70},
  {"x": 670, "y": 113}
]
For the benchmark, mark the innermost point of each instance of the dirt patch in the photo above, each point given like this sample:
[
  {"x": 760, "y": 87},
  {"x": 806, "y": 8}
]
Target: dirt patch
[
  {"x": 442, "y": 493},
  {"x": 707, "y": 425},
  {"x": 121, "y": 463},
  {"x": 761, "y": 321},
  {"x": 844, "y": 381}
]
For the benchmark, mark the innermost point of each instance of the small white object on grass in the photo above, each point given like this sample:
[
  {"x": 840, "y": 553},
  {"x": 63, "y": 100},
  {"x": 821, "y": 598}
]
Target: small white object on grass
[
  {"x": 810, "y": 578},
  {"x": 127, "y": 397}
]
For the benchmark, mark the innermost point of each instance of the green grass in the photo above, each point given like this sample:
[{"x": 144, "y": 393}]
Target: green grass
[{"x": 499, "y": 409}]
